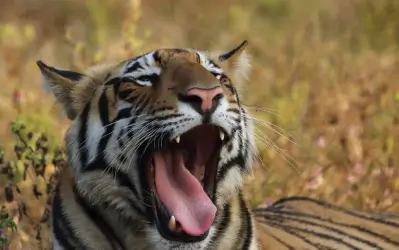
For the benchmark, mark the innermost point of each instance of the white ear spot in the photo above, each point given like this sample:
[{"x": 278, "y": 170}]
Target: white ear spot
[
  {"x": 242, "y": 68},
  {"x": 47, "y": 86}
]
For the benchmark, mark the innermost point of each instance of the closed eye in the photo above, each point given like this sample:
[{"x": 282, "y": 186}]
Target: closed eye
[{"x": 153, "y": 78}]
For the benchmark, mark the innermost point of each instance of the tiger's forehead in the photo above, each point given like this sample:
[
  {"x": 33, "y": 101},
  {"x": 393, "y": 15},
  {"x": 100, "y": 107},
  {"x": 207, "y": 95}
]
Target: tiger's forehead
[{"x": 150, "y": 65}]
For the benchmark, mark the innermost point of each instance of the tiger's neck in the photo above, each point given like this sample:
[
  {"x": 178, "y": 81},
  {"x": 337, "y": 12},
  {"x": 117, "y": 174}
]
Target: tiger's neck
[{"x": 235, "y": 226}]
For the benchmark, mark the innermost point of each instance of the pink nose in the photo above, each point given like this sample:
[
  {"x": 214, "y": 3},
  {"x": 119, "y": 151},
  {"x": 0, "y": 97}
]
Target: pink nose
[{"x": 209, "y": 97}]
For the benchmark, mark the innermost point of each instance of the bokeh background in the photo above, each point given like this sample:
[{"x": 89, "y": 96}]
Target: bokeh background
[{"x": 324, "y": 90}]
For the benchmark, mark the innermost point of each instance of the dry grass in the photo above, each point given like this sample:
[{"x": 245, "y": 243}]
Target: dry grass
[{"x": 324, "y": 88}]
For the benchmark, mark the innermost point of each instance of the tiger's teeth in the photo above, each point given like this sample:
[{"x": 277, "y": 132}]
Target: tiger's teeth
[
  {"x": 221, "y": 135},
  {"x": 177, "y": 139},
  {"x": 172, "y": 224}
]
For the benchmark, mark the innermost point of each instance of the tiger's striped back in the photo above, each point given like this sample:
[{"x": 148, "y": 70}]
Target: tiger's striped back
[{"x": 305, "y": 223}]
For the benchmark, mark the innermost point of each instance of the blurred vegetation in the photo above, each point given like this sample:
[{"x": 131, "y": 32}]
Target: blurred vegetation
[
  {"x": 324, "y": 90},
  {"x": 29, "y": 182}
]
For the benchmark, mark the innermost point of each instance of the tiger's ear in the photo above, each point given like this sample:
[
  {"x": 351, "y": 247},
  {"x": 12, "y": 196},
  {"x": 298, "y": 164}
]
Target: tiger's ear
[
  {"x": 61, "y": 83},
  {"x": 236, "y": 62}
]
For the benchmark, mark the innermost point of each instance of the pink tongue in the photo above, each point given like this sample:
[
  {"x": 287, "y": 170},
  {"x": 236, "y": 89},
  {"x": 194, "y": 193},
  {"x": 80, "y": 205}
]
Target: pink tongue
[{"x": 182, "y": 194}]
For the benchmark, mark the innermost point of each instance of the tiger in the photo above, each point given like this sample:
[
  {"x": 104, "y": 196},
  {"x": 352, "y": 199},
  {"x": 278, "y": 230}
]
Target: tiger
[{"x": 158, "y": 148}]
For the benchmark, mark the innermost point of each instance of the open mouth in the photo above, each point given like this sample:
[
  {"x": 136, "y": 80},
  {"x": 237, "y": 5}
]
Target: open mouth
[{"x": 182, "y": 181}]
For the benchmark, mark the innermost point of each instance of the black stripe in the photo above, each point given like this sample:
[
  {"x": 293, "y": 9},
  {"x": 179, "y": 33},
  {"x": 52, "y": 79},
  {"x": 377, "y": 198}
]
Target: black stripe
[
  {"x": 122, "y": 179},
  {"x": 279, "y": 226},
  {"x": 198, "y": 57},
  {"x": 122, "y": 159},
  {"x": 225, "y": 216},
  {"x": 227, "y": 55},
  {"x": 261, "y": 212},
  {"x": 233, "y": 91},
  {"x": 236, "y": 95},
  {"x": 145, "y": 101},
  {"x": 157, "y": 57},
  {"x": 130, "y": 80},
  {"x": 125, "y": 181},
  {"x": 142, "y": 169},
  {"x": 132, "y": 121},
  {"x": 230, "y": 147},
  {"x": 134, "y": 67},
  {"x": 153, "y": 78},
  {"x": 233, "y": 110},
  {"x": 103, "y": 108},
  {"x": 125, "y": 93},
  {"x": 83, "y": 136},
  {"x": 280, "y": 218},
  {"x": 120, "y": 138},
  {"x": 167, "y": 117},
  {"x": 162, "y": 110},
  {"x": 336, "y": 208},
  {"x": 114, "y": 81},
  {"x": 242, "y": 148},
  {"x": 282, "y": 242},
  {"x": 100, "y": 164},
  {"x": 319, "y": 235},
  {"x": 244, "y": 144},
  {"x": 175, "y": 123},
  {"x": 235, "y": 161},
  {"x": 94, "y": 215},
  {"x": 61, "y": 227},
  {"x": 211, "y": 62},
  {"x": 70, "y": 75},
  {"x": 131, "y": 99},
  {"x": 124, "y": 114},
  {"x": 248, "y": 223},
  {"x": 137, "y": 99},
  {"x": 242, "y": 232},
  {"x": 172, "y": 125}
]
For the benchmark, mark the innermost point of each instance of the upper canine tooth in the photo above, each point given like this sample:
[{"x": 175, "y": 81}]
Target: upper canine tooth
[
  {"x": 221, "y": 135},
  {"x": 177, "y": 139},
  {"x": 172, "y": 224}
]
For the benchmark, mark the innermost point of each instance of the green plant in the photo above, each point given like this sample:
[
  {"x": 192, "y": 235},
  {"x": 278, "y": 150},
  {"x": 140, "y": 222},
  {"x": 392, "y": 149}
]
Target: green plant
[{"x": 6, "y": 224}]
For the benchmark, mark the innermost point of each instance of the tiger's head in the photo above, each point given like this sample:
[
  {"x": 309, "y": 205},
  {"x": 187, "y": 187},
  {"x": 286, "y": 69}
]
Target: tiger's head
[{"x": 164, "y": 137}]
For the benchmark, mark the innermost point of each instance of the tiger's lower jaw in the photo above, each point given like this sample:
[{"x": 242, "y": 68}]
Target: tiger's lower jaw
[{"x": 233, "y": 229}]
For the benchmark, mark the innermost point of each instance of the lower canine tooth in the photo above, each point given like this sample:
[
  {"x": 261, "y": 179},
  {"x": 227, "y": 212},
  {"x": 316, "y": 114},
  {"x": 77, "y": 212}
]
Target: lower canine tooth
[
  {"x": 221, "y": 135},
  {"x": 172, "y": 224}
]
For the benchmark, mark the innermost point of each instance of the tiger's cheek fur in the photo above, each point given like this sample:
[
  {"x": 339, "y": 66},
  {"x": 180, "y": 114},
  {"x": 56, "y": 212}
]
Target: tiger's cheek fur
[
  {"x": 235, "y": 160},
  {"x": 237, "y": 155}
]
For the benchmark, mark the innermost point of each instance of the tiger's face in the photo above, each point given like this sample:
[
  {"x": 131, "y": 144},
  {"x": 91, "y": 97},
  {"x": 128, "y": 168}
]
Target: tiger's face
[{"x": 169, "y": 128}]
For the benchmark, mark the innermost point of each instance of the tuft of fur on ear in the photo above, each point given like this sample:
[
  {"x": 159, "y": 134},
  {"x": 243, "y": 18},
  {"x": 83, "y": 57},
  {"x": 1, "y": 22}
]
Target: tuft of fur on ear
[
  {"x": 236, "y": 63},
  {"x": 61, "y": 83},
  {"x": 242, "y": 67}
]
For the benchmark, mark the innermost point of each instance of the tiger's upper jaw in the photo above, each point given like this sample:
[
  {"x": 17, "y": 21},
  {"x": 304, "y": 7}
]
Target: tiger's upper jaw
[{"x": 181, "y": 178}]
